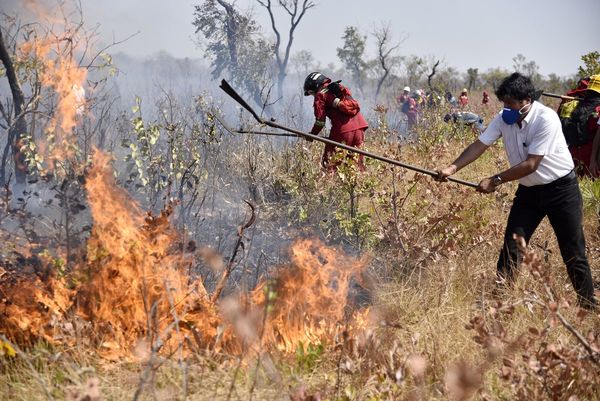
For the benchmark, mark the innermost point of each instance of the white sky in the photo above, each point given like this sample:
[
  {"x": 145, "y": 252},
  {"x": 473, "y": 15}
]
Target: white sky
[{"x": 464, "y": 33}]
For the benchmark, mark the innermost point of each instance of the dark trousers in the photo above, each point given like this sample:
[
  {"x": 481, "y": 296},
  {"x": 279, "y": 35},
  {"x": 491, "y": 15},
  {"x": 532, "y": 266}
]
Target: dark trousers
[{"x": 561, "y": 202}]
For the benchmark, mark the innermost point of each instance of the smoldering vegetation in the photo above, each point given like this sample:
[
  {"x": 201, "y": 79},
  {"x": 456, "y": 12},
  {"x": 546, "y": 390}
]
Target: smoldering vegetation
[{"x": 152, "y": 254}]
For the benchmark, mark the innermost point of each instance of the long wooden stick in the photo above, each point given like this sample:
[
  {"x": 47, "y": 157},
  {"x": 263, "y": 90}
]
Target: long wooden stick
[
  {"x": 565, "y": 97},
  {"x": 271, "y": 123},
  {"x": 241, "y": 131}
]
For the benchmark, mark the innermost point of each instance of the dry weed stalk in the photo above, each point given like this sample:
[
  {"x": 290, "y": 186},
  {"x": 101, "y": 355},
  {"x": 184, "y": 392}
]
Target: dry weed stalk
[{"x": 534, "y": 364}]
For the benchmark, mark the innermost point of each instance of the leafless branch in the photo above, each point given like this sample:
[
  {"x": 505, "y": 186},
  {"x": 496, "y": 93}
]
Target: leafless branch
[
  {"x": 430, "y": 76},
  {"x": 114, "y": 43},
  {"x": 385, "y": 49},
  {"x": 296, "y": 15}
]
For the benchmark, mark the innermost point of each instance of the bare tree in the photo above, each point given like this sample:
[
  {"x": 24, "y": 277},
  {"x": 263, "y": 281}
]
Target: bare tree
[
  {"x": 432, "y": 74},
  {"x": 296, "y": 12},
  {"x": 386, "y": 60}
]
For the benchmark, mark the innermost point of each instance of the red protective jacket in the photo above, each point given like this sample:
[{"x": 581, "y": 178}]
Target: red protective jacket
[{"x": 340, "y": 122}]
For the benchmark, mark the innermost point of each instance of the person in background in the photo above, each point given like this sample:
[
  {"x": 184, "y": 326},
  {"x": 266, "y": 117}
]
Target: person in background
[
  {"x": 433, "y": 99},
  {"x": 451, "y": 99},
  {"x": 463, "y": 99},
  {"x": 420, "y": 99},
  {"x": 414, "y": 103},
  {"x": 407, "y": 104},
  {"x": 403, "y": 96},
  {"x": 579, "y": 119},
  {"x": 595, "y": 158},
  {"x": 540, "y": 160},
  {"x": 485, "y": 99},
  {"x": 348, "y": 126},
  {"x": 466, "y": 118}
]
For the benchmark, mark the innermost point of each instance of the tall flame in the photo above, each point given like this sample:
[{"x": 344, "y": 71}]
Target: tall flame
[
  {"x": 138, "y": 287},
  {"x": 59, "y": 72}
]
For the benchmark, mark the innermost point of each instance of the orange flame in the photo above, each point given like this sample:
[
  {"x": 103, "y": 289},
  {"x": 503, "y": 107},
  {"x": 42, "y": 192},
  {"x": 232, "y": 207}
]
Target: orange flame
[
  {"x": 32, "y": 309},
  {"x": 40, "y": 9},
  {"x": 133, "y": 290},
  {"x": 138, "y": 287},
  {"x": 60, "y": 72},
  {"x": 309, "y": 296}
]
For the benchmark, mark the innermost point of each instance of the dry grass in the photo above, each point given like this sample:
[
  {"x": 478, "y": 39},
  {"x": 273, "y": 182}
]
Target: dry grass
[{"x": 439, "y": 326}]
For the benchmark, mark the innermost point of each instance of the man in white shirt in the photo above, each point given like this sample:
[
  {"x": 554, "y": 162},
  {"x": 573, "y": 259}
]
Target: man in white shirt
[{"x": 540, "y": 160}]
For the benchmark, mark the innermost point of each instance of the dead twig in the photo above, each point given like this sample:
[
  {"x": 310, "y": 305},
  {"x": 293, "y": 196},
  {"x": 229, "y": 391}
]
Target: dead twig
[
  {"x": 533, "y": 259},
  {"x": 238, "y": 244}
]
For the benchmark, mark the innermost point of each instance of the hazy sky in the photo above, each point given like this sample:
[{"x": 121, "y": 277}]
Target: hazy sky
[{"x": 464, "y": 33}]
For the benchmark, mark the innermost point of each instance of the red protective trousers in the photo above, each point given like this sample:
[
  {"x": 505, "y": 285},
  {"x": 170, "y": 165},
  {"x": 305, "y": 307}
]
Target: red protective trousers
[{"x": 355, "y": 138}]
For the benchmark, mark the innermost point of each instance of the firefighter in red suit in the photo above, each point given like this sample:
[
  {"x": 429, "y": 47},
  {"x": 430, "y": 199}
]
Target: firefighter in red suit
[
  {"x": 579, "y": 119},
  {"x": 345, "y": 128}
]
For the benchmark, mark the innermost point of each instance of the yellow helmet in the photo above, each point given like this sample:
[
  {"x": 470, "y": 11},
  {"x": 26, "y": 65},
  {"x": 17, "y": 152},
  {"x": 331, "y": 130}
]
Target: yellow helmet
[{"x": 594, "y": 84}]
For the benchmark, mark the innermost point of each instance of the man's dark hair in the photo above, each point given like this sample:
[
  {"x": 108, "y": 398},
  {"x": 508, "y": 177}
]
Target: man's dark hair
[{"x": 516, "y": 86}]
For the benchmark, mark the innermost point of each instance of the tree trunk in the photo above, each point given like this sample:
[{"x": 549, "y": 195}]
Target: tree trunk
[
  {"x": 19, "y": 126},
  {"x": 280, "y": 81},
  {"x": 380, "y": 83}
]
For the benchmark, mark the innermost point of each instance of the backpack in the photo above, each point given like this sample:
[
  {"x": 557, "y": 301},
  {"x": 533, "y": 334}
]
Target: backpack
[
  {"x": 575, "y": 130},
  {"x": 343, "y": 101},
  {"x": 406, "y": 106}
]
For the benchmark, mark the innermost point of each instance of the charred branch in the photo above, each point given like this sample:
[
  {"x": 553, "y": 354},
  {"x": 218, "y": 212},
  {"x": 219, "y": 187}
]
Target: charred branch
[{"x": 239, "y": 244}]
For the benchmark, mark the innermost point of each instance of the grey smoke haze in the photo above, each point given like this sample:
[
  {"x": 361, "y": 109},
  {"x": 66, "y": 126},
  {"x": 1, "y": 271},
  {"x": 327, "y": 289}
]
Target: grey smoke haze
[{"x": 465, "y": 33}]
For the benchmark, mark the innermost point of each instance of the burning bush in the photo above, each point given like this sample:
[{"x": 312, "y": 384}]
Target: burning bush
[{"x": 134, "y": 287}]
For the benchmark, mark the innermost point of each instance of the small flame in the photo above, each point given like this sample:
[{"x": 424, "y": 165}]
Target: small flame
[{"x": 309, "y": 296}]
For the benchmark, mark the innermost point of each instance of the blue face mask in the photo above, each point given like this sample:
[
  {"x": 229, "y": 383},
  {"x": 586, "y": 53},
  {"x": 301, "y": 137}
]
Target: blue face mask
[{"x": 511, "y": 116}]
